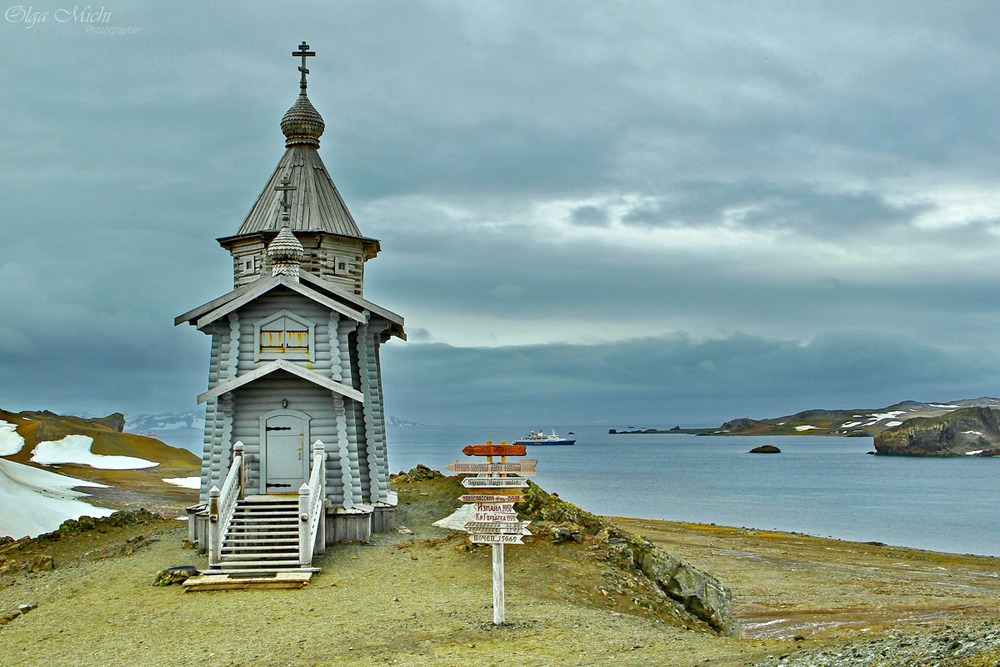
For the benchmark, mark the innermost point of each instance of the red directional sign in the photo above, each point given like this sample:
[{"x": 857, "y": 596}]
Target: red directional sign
[{"x": 495, "y": 450}]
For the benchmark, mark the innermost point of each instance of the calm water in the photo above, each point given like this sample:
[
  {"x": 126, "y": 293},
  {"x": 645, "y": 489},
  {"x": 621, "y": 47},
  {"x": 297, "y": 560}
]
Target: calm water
[{"x": 820, "y": 486}]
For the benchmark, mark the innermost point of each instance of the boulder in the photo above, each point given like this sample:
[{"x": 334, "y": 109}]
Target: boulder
[
  {"x": 175, "y": 575},
  {"x": 765, "y": 449}
]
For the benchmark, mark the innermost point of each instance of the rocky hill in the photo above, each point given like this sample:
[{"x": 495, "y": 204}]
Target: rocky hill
[
  {"x": 45, "y": 459},
  {"x": 864, "y": 422},
  {"x": 969, "y": 431}
]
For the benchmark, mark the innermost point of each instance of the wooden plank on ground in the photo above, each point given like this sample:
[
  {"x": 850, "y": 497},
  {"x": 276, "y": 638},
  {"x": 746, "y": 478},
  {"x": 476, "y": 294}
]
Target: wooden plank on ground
[{"x": 228, "y": 582}]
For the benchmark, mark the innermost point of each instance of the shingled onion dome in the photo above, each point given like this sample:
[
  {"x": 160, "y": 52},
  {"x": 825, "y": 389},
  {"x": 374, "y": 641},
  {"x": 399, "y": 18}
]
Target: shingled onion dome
[
  {"x": 285, "y": 254},
  {"x": 302, "y": 125}
]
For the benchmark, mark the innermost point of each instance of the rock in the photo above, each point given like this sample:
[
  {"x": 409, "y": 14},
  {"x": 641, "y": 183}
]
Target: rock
[
  {"x": 115, "y": 421},
  {"x": 40, "y": 563},
  {"x": 175, "y": 575},
  {"x": 765, "y": 449},
  {"x": 566, "y": 532},
  {"x": 968, "y": 431},
  {"x": 701, "y": 594},
  {"x": 697, "y": 593},
  {"x": 8, "y": 617},
  {"x": 419, "y": 474},
  {"x": 25, "y": 608}
]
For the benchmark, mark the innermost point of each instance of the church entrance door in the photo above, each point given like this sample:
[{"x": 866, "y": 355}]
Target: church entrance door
[{"x": 285, "y": 459}]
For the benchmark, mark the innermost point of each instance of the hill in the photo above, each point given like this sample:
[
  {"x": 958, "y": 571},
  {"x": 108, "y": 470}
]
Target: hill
[
  {"x": 968, "y": 431},
  {"x": 46, "y": 458},
  {"x": 864, "y": 422}
]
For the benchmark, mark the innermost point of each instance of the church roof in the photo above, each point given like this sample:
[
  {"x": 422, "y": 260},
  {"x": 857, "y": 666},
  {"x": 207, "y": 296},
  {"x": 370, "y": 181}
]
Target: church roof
[
  {"x": 315, "y": 204},
  {"x": 317, "y": 289}
]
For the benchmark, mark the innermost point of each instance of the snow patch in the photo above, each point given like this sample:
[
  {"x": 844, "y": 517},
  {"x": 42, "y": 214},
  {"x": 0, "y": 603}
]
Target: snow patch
[
  {"x": 978, "y": 451},
  {"x": 850, "y": 424},
  {"x": 185, "y": 482},
  {"x": 38, "y": 501},
  {"x": 805, "y": 427},
  {"x": 76, "y": 449},
  {"x": 892, "y": 423},
  {"x": 879, "y": 416},
  {"x": 11, "y": 441},
  {"x": 972, "y": 432},
  {"x": 943, "y": 405}
]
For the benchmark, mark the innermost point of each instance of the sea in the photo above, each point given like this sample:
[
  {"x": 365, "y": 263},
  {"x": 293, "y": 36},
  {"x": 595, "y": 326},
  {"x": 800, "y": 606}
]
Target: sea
[{"x": 822, "y": 486}]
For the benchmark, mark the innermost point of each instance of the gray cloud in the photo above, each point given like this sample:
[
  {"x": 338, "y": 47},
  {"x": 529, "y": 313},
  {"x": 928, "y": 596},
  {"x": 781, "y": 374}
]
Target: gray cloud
[{"x": 579, "y": 173}]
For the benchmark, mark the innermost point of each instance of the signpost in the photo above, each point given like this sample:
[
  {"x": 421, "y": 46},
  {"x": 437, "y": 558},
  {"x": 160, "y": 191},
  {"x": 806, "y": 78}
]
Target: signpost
[{"x": 496, "y": 522}]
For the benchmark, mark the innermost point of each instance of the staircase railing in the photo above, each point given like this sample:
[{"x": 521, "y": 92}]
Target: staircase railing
[
  {"x": 312, "y": 499},
  {"x": 222, "y": 505}
]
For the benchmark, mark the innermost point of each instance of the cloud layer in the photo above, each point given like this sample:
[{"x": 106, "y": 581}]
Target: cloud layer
[{"x": 676, "y": 208}]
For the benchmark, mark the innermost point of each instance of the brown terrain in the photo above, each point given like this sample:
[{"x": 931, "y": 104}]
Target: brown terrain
[{"x": 422, "y": 596}]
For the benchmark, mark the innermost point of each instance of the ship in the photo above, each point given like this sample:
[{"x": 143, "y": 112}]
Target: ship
[{"x": 541, "y": 438}]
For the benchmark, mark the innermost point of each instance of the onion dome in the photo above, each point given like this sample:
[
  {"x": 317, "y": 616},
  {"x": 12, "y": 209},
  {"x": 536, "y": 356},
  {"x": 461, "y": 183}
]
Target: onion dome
[
  {"x": 302, "y": 124},
  {"x": 285, "y": 254}
]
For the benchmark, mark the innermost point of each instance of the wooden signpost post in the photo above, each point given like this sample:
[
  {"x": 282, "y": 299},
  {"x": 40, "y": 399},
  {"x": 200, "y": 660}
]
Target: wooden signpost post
[{"x": 496, "y": 522}]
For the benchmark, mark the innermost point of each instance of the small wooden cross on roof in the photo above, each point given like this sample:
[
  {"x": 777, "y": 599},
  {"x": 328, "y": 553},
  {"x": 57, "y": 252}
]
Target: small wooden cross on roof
[
  {"x": 285, "y": 187},
  {"x": 304, "y": 53}
]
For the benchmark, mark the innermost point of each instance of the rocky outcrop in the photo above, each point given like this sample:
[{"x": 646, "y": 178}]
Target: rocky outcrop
[
  {"x": 969, "y": 431},
  {"x": 765, "y": 449},
  {"x": 699, "y": 594}
]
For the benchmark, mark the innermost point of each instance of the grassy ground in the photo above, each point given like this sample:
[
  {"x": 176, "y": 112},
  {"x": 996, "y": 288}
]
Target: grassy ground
[{"x": 425, "y": 598}]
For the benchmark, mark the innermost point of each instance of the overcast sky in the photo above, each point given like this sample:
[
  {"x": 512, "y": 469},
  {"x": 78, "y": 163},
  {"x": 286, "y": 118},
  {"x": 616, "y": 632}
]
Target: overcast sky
[{"x": 590, "y": 212}]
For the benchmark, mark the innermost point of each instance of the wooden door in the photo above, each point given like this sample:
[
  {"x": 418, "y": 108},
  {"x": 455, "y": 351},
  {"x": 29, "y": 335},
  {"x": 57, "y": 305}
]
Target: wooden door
[{"x": 286, "y": 457}]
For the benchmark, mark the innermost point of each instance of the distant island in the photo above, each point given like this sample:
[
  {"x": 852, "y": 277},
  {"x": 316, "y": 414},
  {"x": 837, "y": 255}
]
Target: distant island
[{"x": 910, "y": 428}]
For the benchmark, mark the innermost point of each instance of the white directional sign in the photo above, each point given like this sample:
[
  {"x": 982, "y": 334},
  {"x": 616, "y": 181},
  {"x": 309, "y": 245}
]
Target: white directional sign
[
  {"x": 489, "y": 498},
  {"x": 498, "y": 527},
  {"x": 496, "y": 516},
  {"x": 494, "y": 482},
  {"x": 495, "y": 539},
  {"x": 523, "y": 467},
  {"x": 494, "y": 507}
]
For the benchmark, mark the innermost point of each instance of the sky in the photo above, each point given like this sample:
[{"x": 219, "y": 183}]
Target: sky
[{"x": 621, "y": 213}]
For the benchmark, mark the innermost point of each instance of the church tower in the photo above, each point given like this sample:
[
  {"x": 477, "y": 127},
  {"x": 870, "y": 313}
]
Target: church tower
[{"x": 295, "y": 382}]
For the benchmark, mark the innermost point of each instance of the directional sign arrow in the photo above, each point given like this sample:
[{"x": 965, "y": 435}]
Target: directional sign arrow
[
  {"x": 487, "y": 538},
  {"x": 490, "y": 498},
  {"x": 498, "y": 527},
  {"x": 495, "y": 450},
  {"x": 524, "y": 467},
  {"x": 495, "y": 516},
  {"x": 495, "y": 507},
  {"x": 494, "y": 482}
]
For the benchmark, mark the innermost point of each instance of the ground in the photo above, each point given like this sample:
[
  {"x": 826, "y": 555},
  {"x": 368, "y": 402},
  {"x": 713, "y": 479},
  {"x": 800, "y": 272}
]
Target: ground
[{"x": 425, "y": 599}]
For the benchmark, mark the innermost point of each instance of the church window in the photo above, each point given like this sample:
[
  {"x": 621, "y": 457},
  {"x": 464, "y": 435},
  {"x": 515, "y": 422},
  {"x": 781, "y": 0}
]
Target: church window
[{"x": 284, "y": 336}]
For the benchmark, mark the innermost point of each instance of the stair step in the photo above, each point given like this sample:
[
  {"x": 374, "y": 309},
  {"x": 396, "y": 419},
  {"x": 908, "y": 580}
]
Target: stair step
[
  {"x": 253, "y": 518},
  {"x": 275, "y": 556},
  {"x": 237, "y": 548},
  {"x": 266, "y": 538},
  {"x": 266, "y": 565}
]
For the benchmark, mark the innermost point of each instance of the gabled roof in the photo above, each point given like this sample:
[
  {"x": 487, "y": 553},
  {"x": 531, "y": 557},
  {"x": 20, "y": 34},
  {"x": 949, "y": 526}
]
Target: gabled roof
[
  {"x": 316, "y": 204},
  {"x": 337, "y": 292},
  {"x": 209, "y": 312},
  {"x": 288, "y": 367}
]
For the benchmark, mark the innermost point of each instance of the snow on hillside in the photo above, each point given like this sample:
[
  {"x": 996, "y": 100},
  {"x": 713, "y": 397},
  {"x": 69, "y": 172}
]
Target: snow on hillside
[
  {"x": 76, "y": 449},
  {"x": 43, "y": 500},
  {"x": 184, "y": 482},
  {"x": 11, "y": 441}
]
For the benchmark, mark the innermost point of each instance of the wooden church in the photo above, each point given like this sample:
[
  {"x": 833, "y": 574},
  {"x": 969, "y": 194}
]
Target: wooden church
[{"x": 295, "y": 453}]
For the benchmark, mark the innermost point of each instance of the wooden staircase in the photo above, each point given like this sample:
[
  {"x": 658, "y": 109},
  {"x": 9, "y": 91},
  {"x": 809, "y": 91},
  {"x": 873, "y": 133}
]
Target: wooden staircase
[{"x": 263, "y": 538}]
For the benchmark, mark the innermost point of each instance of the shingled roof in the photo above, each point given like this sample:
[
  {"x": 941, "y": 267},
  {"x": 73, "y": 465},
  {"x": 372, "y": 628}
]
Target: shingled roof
[{"x": 316, "y": 205}]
